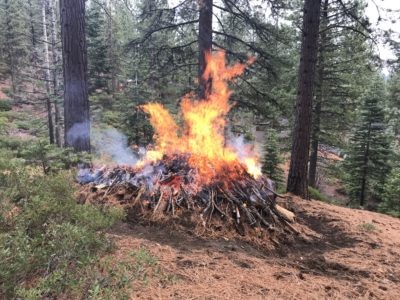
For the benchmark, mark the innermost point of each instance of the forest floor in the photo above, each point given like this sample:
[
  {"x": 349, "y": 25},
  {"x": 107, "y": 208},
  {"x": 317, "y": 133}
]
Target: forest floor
[
  {"x": 340, "y": 253},
  {"x": 3, "y": 96}
]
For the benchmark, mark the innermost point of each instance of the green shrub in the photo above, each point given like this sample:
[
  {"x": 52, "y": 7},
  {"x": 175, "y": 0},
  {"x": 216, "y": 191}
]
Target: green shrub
[
  {"x": 273, "y": 159},
  {"x": 391, "y": 195},
  {"x": 5, "y": 105},
  {"x": 367, "y": 227},
  {"x": 7, "y": 91},
  {"x": 112, "y": 118},
  {"x": 316, "y": 194},
  {"x": 51, "y": 237},
  {"x": 50, "y": 157}
]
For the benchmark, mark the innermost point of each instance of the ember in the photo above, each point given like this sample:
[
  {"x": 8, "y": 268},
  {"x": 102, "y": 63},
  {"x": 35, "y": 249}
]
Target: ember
[{"x": 194, "y": 168}]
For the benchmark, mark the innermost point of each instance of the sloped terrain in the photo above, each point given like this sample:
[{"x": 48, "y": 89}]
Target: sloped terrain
[{"x": 339, "y": 253}]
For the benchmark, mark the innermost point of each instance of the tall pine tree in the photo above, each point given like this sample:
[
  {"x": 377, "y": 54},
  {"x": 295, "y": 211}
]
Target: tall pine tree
[{"x": 367, "y": 163}]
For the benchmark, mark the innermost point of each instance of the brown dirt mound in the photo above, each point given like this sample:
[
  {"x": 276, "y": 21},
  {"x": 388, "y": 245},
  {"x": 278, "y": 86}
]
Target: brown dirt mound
[{"x": 341, "y": 253}]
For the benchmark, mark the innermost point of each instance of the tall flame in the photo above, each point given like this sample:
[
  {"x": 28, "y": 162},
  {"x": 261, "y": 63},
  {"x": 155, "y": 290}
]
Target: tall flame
[{"x": 202, "y": 136}]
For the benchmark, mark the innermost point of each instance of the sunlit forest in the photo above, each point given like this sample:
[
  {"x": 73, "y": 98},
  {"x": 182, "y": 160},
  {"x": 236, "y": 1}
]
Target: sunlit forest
[{"x": 199, "y": 149}]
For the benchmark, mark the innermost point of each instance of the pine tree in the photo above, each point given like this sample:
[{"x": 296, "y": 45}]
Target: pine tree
[
  {"x": 343, "y": 51},
  {"x": 272, "y": 159},
  {"x": 98, "y": 64},
  {"x": 391, "y": 195},
  {"x": 367, "y": 164},
  {"x": 297, "y": 182},
  {"x": 16, "y": 31}
]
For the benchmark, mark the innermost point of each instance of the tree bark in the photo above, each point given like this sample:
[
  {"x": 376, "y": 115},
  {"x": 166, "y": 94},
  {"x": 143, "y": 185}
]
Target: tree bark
[
  {"x": 47, "y": 74},
  {"x": 32, "y": 25},
  {"x": 112, "y": 53},
  {"x": 312, "y": 174},
  {"x": 319, "y": 99},
  {"x": 298, "y": 175},
  {"x": 10, "y": 51},
  {"x": 365, "y": 168},
  {"x": 76, "y": 101},
  {"x": 55, "y": 60},
  {"x": 205, "y": 44}
]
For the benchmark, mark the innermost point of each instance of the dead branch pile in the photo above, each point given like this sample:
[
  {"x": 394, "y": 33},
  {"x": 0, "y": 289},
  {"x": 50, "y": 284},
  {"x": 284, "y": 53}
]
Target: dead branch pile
[{"x": 170, "y": 187}]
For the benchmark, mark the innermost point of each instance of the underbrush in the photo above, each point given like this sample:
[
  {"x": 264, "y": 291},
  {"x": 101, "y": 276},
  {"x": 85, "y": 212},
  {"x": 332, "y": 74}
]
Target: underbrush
[
  {"x": 51, "y": 247},
  {"x": 46, "y": 238},
  {"x": 317, "y": 195}
]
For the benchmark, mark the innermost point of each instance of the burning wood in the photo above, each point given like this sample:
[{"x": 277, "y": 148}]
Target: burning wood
[
  {"x": 170, "y": 186},
  {"x": 194, "y": 168}
]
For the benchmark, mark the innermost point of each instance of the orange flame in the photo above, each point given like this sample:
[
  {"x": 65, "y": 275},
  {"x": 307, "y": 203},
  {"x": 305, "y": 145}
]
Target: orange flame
[{"x": 203, "y": 134}]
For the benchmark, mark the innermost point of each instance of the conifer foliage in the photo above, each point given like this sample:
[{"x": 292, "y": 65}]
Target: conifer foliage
[
  {"x": 272, "y": 159},
  {"x": 391, "y": 196},
  {"x": 367, "y": 164}
]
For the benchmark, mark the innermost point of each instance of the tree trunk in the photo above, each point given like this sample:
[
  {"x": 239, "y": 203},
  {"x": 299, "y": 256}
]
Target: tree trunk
[
  {"x": 112, "y": 53},
  {"x": 76, "y": 101},
  {"x": 205, "y": 44},
  {"x": 47, "y": 74},
  {"x": 10, "y": 51},
  {"x": 365, "y": 168},
  {"x": 312, "y": 174},
  {"x": 55, "y": 60},
  {"x": 319, "y": 99},
  {"x": 32, "y": 29},
  {"x": 297, "y": 179}
]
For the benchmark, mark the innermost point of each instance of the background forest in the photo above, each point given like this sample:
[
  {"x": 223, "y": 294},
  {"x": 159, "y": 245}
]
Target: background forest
[{"x": 140, "y": 51}]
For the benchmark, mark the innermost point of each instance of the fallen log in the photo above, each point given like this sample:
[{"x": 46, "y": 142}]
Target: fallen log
[{"x": 286, "y": 214}]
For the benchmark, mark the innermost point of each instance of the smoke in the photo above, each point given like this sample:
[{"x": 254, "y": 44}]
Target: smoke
[
  {"x": 113, "y": 144},
  {"x": 242, "y": 148},
  {"x": 79, "y": 131}
]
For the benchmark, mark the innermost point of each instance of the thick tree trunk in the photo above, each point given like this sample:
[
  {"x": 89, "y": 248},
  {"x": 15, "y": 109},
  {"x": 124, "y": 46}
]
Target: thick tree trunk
[
  {"x": 297, "y": 179},
  {"x": 205, "y": 44},
  {"x": 55, "y": 60},
  {"x": 46, "y": 60},
  {"x": 319, "y": 99},
  {"x": 76, "y": 101}
]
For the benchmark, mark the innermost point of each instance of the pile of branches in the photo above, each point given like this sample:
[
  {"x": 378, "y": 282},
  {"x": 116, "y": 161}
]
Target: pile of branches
[{"x": 170, "y": 186}]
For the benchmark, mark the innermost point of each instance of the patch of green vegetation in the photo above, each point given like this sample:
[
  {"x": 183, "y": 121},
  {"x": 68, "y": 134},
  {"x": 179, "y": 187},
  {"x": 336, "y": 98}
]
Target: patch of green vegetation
[
  {"x": 367, "y": 227},
  {"x": 40, "y": 153},
  {"x": 50, "y": 236},
  {"x": 391, "y": 196},
  {"x": 317, "y": 195},
  {"x": 54, "y": 247},
  {"x": 5, "y": 105},
  {"x": 106, "y": 278},
  {"x": 7, "y": 91}
]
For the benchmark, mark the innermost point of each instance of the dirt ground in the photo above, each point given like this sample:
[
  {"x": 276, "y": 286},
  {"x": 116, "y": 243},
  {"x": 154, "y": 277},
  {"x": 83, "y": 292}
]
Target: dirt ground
[{"x": 340, "y": 253}]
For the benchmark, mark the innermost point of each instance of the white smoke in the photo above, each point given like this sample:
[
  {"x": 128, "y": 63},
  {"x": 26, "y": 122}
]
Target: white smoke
[
  {"x": 113, "y": 144},
  {"x": 242, "y": 148},
  {"x": 79, "y": 131}
]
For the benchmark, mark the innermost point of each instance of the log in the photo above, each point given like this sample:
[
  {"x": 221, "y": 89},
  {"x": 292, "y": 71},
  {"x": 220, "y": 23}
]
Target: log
[{"x": 286, "y": 214}]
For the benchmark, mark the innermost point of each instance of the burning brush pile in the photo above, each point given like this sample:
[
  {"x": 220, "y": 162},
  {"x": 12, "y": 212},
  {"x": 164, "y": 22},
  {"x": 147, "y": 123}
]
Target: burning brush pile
[{"x": 193, "y": 168}]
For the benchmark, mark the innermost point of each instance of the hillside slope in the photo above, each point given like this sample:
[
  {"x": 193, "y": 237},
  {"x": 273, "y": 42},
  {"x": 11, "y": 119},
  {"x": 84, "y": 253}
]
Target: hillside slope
[{"x": 340, "y": 253}]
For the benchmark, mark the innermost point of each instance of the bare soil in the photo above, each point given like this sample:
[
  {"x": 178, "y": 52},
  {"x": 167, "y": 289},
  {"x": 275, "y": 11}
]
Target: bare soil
[{"x": 340, "y": 253}]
